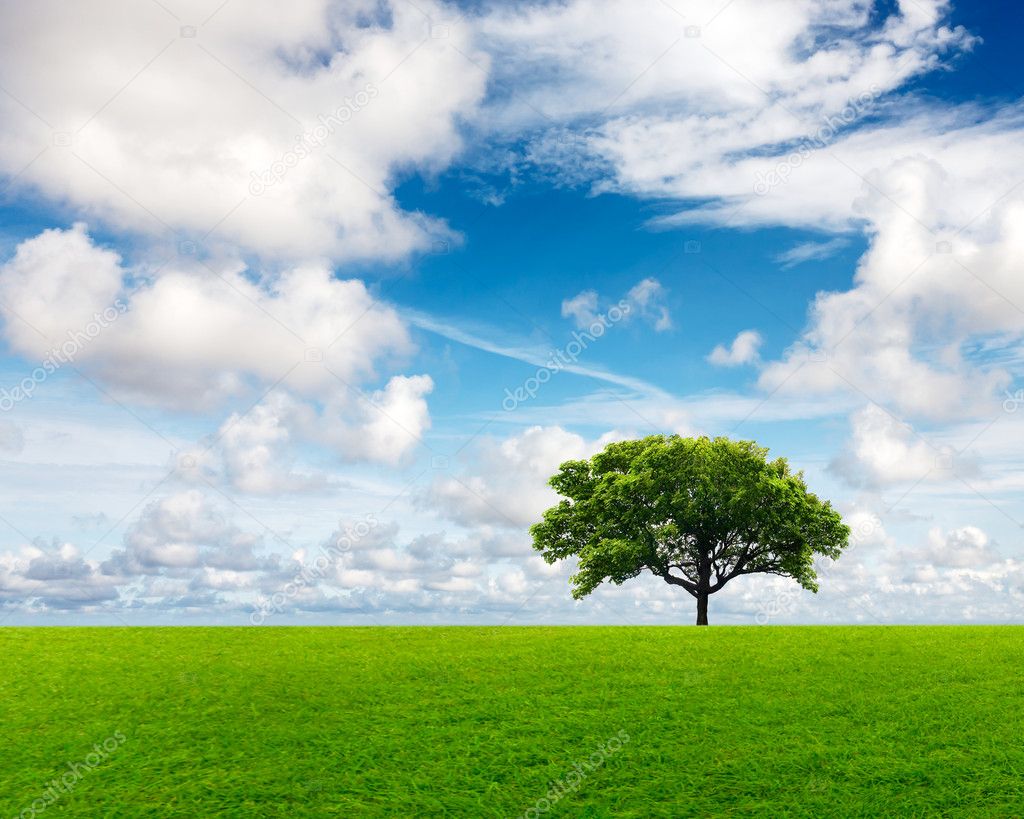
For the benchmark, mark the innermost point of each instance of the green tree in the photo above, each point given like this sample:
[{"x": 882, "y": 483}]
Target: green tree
[{"x": 696, "y": 512}]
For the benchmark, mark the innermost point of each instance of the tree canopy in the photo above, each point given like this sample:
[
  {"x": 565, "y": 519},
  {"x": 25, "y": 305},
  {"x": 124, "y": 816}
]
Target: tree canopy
[{"x": 696, "y": 512}]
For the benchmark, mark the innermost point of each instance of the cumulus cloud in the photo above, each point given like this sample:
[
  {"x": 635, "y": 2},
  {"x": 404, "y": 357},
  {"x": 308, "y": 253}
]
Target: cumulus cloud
[
  {"x": 799, "y": 127},
  {"x": 179, "y": 117},
  {"x": 866, "y": 529},
  {"x": 644, "y": 300},
  {"x": 960, "y": 570},
  {"x": 431, "y": 576},
  {"x": 35, "y": 578},
  {"x": 253, "y": 452},
  {"x": 743, "y": 350},
  {"x": 884, "y": 450},
  {"x": 390, "y": 422},
  {"x": 964, "y": 548},
  {"x": 920, "y": 295},
  {"x": 956, "y": 576},
  {"x": 507, "y": 483},
  {"x": 256, "y": 452},
  {"x": 183, "y": 553},
  {"x": 192, "y": 338},
  {"x": 184, "y": 531}
]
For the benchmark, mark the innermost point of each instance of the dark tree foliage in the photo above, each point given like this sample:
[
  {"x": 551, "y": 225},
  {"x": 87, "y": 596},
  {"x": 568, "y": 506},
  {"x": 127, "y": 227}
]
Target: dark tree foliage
[{"x": 696, "y": 512}]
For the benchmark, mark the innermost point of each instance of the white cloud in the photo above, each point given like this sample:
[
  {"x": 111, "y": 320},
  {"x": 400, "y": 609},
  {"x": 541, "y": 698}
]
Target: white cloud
[
  {"x": 507, "y": 483},
  {"x": 743, "y": 350},
  {"x": 387, "y": 424},
  {"x": 12, "y": 437},
  {"x": 645, "y": 299},
  {"x": 578, "y": 58},
  {"x": 157, "y": 125},
  {"x": 57, "y": 578},
  {"x": 582, "y": 308},
  {"x": 491, "y": 340},
  {"x": 668, "y": 115},
  {"x": 936, "y": 276},
  {"x": 866, "y": 529},
  {"x": 884, "y": 450},
  {"x": 189, "y": 338},
  {"x": 252, "y": 445},
  {"x": 964, "y": 548},
  {"x": 184, "y": 531},
  {"x": 810, "y": 251},
  {"x": 183, "y": 553},
  {"x": 253, "y": 452}
]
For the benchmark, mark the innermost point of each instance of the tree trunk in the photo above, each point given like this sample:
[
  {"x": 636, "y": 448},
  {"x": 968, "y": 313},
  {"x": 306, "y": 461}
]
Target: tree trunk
[{"x": 702, "y": 609}]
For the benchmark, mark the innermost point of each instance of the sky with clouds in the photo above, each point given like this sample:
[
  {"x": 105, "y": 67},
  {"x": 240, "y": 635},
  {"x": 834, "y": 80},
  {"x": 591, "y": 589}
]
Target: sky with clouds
[{"x": 303, "y": 303}]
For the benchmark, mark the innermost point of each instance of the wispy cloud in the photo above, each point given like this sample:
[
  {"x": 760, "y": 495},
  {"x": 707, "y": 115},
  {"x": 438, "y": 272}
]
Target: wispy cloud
[
  {"x": 810, "y": 251},
  {"x": 480, "y": 338}
]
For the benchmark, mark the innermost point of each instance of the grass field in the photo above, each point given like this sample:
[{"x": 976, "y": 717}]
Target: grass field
[{"x": 468, "y": 722}]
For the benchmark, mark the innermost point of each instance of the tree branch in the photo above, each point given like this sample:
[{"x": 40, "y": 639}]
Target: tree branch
[{"x": 677, "y": 581}]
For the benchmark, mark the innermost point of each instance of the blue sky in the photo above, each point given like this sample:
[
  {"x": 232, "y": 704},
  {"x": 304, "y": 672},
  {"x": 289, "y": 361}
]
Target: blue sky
[{"x": 279, "y": 362}]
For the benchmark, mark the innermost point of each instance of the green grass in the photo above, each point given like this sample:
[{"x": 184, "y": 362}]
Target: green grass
[{"x": 468, "y": 722}]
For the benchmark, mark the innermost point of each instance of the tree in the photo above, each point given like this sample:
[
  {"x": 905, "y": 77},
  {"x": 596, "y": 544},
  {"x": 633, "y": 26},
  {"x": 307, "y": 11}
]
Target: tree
[{"x": 696, "y": 512}]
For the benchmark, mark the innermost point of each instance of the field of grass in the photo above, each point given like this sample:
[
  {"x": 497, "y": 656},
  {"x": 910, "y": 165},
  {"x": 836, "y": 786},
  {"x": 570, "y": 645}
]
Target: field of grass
[{"x": 467, "y": 722}]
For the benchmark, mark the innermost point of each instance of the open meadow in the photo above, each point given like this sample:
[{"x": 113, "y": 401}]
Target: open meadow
[{"x": 536, "y": 721}]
